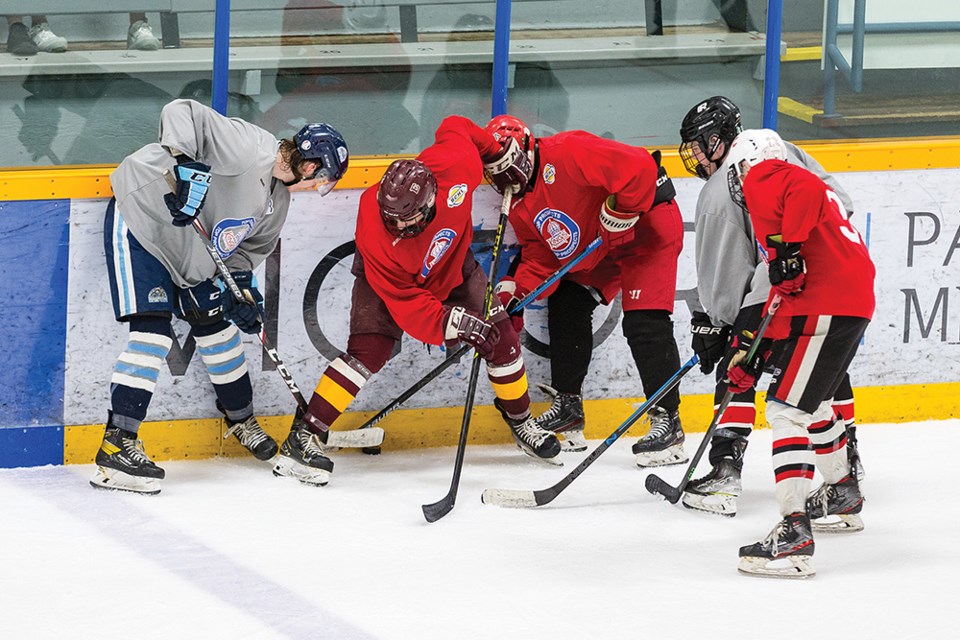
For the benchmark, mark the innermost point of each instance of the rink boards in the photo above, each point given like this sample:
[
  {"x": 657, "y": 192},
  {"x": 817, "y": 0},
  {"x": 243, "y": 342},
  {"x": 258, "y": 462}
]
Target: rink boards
[{"x": 62, "y": 340}]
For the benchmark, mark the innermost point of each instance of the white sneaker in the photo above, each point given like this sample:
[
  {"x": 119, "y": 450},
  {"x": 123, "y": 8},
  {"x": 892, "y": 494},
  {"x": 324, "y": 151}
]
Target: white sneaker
[
  {"x": 47, "y": 40},
  {"x": 140, "y": 36}
]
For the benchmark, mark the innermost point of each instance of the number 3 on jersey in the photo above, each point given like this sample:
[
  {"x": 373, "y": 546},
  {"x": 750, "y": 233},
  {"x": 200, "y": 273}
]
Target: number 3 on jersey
[{"x": 847, "y": 229}]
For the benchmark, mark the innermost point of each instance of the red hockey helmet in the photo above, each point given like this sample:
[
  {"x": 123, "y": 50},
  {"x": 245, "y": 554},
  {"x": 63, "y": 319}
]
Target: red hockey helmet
[
  {"x": 407, "y": 198},
  {"x": 506, "y": 126}
]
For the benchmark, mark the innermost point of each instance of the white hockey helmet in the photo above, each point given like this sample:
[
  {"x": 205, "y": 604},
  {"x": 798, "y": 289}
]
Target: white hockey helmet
[{"x": 749, "y": 149}]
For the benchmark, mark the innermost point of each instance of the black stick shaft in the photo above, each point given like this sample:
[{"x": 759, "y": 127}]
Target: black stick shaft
[
  {"x": 435, "y": 511},
  {"x": 654, "y": 483}
]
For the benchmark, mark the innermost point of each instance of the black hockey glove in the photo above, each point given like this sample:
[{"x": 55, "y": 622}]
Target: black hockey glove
[
  {"x": 709, "y": 342},
  {"x": 193, "y": 180},
  {"x": 459, "y": 325},
  {"x": 201, "y": 303},
  {"x": 785, "y": 266},
  {"x": 246, "y": 314}
]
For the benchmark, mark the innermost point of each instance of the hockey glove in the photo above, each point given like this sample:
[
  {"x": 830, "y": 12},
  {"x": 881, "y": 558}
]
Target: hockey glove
[
  {"x": 742, "y": 374},
  {"x": 510, "y": 170},
  {"x": 245, "y": 314},
  {"x": 201, "y": 303},
  {"x": 616, "y": 227},
  {"x": 461, "y": 325},
  {"x": 506, "y": 292},
  {"x": 193, "y": 180},
  {"x": 709, "y": 342},
  {"x": 786, "y": 266},
  {"x": 665, "y": 190}
]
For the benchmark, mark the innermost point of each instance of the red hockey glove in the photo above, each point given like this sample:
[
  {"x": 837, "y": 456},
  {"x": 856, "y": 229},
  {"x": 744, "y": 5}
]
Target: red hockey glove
[
  {"x": 459, "y": 324},
  {"x": 742, "y": 374},
  {"x": 785, "y": 265},
  {"x": 616, "y": 227},
  {"x": 506, "y": 292},
  {"x": 510, "y": 170}
]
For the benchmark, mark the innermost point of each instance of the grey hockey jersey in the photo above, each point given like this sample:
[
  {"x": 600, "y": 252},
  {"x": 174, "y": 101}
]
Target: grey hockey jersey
[{"x": 245, "y": 207}]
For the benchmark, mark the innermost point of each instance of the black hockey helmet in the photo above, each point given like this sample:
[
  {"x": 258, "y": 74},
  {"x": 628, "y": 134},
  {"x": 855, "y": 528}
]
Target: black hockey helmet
[{"x": 713, "y": 122}]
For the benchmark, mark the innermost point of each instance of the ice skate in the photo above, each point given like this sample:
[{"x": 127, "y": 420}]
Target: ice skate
[
  {"x": 301, "y": 457},
  {"x": 716, "y": 492},
  {"x": 835, "y": 508},
  {"x": 663, "y": 444},
  {"x": 123, "y": 466},
  {"x": 787, "y": 552},
  {"x": 254, "y": 438},
  {"x": 565, "y": 418}
]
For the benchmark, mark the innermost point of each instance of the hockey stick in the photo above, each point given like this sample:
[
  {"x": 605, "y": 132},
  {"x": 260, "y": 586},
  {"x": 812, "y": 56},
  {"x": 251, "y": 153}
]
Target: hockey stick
[
  {"x": 522, "y": 498},
  {"x": 456, "y": 355},
  {"x": 436, "y": 510},
  {"x": 345, "y": 439},
  {"x": 654, "y": 483}
]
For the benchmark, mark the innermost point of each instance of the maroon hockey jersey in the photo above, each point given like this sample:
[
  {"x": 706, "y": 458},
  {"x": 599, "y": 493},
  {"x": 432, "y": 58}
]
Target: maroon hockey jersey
[{"x": 414, "y": 275}]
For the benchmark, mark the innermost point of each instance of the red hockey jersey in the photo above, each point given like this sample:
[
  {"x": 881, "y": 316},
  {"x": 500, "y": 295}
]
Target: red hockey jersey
[
  {"x": 414, "y": 275},
  {"x": 561, "y": 215},
  {"x": 791, "y": 201}
]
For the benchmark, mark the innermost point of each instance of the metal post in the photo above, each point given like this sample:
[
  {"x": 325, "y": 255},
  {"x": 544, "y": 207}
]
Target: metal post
[
  {"x": 221, "y": 54},
  {"x": 501, "y": 57},
  {"x": 771, "y": 75}
]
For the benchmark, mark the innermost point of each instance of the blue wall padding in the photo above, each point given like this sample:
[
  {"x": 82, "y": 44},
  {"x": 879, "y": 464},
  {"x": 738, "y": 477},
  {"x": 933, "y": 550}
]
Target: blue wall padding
[
  {"x": 34, "y": 260},
  {"x": 31, "y": 446}
]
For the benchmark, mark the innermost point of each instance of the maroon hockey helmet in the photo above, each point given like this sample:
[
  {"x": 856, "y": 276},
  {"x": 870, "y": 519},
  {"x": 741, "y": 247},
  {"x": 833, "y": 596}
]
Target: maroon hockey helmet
[{"x": 407, "y": 197}]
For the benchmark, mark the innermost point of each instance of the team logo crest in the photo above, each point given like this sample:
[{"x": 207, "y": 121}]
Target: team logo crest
[
  {"x": 456, "y": 195},
  {"x": 559, "y": 231},
  {"x": 549, "y": 174},
  {"x": 157, "y": 294},
  {"x": 229, "y": 233},
  {"x": 442, "y": 241}
]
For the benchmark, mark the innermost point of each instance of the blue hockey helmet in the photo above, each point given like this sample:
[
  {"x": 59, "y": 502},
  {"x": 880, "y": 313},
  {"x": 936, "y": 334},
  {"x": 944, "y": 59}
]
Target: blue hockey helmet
[{"x": 324, "y": 145}]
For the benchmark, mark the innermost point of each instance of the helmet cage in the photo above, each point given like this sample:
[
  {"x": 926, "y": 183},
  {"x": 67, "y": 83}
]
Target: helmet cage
[{"x": 713, "y": 122}]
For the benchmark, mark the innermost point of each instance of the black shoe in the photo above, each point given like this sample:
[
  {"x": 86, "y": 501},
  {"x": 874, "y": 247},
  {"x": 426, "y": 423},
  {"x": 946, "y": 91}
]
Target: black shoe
[
  {"x": 791, "y": 542},
  {"x": 838, "y": 505},
  {"x": 532, "y": 440},
  {"x": 254, "y": 438},
  {"x": 302, "y": 457},
  {"x": 564, "y": 417},
  {"x": 663, "y": 444},
  {"x": 716, "y": 492},
  {"x": 19, "y": 42},
  {"x": 123, "y": 465}
]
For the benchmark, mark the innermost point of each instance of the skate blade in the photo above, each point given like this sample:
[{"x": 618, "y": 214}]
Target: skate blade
[
  {"x": 573, "y": 441},
  {"x": 550, "y": 462},
  {"x": 288, "y": 468},
  {"x": 845, "y": 523},
  {"x": 721, "y": 504},
  {"x": 790, "y": 567},
  {"x": 113, "y": 480},
  {"x": 670, "y": 455}
]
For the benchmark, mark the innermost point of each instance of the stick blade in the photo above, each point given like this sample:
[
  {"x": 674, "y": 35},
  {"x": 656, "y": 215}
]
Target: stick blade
[
  {"x": 435, "y": 511},
  {"x": 657, "y": 486},
  {"x": 356, "y": 438},
  {"x": 510, "y": 498}
]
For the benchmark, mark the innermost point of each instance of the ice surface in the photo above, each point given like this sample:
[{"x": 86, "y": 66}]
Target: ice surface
[{"x": 229, "y": 551}]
